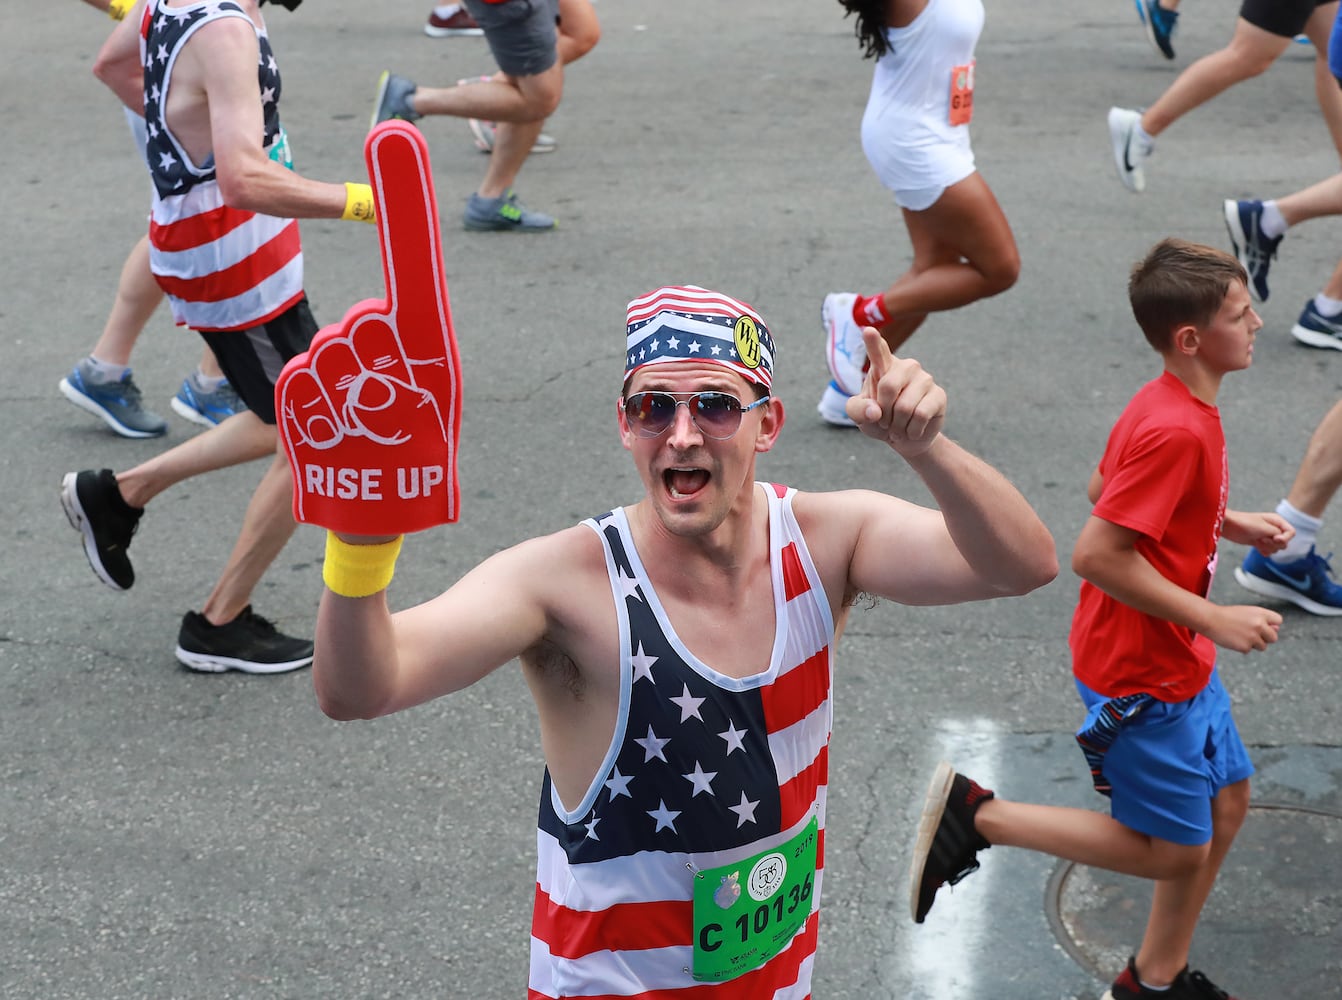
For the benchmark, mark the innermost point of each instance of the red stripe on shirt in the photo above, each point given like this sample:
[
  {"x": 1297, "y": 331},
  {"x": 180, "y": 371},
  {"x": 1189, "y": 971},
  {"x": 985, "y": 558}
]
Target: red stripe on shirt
[
  {"x": 763, "y": 982},
  {"x": 622, "y": 927},
  {"x": 796, "y": 797},
  {"x": 197, "y": 230},
  {"x": 243, "y": 276},
  {"x": 795, "y": 582},
  {"x": 797, "y": 693}
]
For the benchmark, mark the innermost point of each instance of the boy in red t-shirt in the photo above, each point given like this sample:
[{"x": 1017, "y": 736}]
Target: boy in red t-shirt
[{"x": 1158, "y": 734}]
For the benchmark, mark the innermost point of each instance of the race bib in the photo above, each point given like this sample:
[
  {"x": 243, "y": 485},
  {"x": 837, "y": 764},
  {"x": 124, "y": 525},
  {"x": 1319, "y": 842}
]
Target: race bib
[
  {"x": 962, "y": 94},
  {"x": 746, "y": 913}
]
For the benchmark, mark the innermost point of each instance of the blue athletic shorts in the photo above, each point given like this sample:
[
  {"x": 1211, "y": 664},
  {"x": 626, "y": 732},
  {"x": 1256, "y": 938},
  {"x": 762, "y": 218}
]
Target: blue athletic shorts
[{"x": 1168, "y": 761}]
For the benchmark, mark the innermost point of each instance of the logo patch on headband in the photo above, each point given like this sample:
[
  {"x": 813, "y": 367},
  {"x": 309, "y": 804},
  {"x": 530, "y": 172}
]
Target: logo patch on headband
[
  {"x": 690, "y": 323},
  {"x": 747, "y": 336}
]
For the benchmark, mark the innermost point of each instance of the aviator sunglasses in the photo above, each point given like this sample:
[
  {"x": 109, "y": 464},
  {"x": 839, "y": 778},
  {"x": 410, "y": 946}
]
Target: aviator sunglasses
[{"x": 716, "y": 414}]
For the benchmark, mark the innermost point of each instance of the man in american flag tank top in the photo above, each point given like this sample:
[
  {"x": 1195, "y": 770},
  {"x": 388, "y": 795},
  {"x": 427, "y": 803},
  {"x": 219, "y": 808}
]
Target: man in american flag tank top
[{"x": 680, "y": 650}]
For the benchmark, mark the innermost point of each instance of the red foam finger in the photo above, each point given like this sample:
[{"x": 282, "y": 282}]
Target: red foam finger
[{"x": 373, "y": 408}]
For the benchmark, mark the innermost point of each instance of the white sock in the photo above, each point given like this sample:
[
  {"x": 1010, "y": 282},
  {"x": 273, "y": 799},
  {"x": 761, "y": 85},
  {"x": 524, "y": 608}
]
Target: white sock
[
  {"x": 1154, "y": 989},
  {"x": 106, "y": 371},
  {"x": 1306, "y": 533},
  {"x": 1143, "y": 137},
  {"x": 207, "y": 383},
  {"x": 1326, "y": 306},
  {"x": 446, "y": 10},
  {"x": 1272, "y": 223}
]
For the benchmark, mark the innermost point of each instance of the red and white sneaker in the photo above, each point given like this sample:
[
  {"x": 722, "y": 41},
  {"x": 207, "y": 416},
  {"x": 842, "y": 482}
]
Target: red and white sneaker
[{"x": 457, "y": 23}]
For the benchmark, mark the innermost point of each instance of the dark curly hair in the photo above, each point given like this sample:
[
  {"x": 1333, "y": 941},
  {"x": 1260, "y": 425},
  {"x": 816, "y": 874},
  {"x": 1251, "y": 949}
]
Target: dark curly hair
[{"x": 869, "y": 27}]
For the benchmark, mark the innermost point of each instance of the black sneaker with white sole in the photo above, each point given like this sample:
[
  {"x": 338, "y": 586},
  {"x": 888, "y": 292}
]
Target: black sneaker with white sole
[
  {"x": 947, "y": 841},
  {"x": 95, "y": 508},
  {"x": 248, "y": 643}
]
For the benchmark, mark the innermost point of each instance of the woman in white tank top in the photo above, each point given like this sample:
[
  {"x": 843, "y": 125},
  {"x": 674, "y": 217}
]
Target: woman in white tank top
[{"x": 915, "y": 132}]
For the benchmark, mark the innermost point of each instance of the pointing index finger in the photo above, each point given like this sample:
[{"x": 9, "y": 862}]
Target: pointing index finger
[
  {"x": 407, "y": 222},
  {"x": 878, "y": 353}
]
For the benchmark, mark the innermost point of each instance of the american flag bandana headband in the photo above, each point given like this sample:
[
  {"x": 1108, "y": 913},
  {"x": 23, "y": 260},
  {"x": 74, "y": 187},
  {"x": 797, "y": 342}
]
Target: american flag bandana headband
[{"x": 689, "y": 323}]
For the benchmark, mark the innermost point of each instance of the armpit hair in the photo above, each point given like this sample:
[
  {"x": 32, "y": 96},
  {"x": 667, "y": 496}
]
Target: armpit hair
[{"x": 555, "y": 667}]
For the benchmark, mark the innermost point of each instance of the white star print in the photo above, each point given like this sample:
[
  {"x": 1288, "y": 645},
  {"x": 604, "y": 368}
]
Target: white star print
[
  {"x": 166, "y": 160},
  {"x": 694, "y": 346},
  {"x": 268, "y": 95},
  {"x": 701, "y": 780},
  {"x": 654, "y": 346},
  {"x": 619, "y": 784},
  {"x": 642, "y": 664},
  {"x": 628, "y": 586},
  {"x": 717, "y": 349},
  {"x": 652, "y": 747},
  {"x": 666, "y": 818},
  {"x": 153, "y": 93},
  {"x": 591, "y": 828},
  {"x": 745, "y": 812},
  {"x": 640, "y": 354},
  {"x": 673, "y": 343},
  {"x": 689, "y": 706},
  {"x": 162, "y": 54},
  {"x": 734, "y": 738}
]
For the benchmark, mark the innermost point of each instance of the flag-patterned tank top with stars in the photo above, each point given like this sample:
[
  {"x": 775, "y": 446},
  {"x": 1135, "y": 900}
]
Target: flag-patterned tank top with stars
[
  {"x": 223, "y": 268},
  {"x": 704, "y": 770}
]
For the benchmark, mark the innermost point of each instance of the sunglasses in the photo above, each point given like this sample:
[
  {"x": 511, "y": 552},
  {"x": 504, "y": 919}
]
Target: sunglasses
[{"x": 716, "y": 414}]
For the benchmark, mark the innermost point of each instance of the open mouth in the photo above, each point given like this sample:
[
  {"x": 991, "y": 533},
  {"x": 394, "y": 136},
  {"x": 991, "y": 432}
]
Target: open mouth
[{"x": 684, "y": 483}]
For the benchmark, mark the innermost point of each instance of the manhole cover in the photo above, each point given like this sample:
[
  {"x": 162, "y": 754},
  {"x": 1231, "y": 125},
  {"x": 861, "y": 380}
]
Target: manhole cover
[{"x": 1272, "y": 927}]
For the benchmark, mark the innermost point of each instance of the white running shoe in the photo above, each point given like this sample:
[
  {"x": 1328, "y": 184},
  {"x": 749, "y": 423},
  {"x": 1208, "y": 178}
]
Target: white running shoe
[
  {"x": 1130, "y": 152},
  {"x": 832, "y": 407},
  {"x": 845, "y": 353}
]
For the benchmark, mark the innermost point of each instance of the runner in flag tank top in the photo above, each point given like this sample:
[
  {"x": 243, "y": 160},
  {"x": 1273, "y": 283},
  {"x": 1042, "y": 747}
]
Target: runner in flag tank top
[{"x": 680, "y": 651}]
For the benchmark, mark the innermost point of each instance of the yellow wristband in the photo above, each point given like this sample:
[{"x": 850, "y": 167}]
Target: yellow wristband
[
  {"x": 358, "y": 203},
  {"x": 118, "y": 9},
  {"x": 359, "y": 570}
]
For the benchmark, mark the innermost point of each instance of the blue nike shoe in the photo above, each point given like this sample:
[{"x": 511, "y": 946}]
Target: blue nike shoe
[{"x": 1306, "y": 582}]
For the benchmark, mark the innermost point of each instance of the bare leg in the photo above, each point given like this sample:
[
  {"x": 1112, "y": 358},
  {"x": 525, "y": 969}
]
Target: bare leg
[
  {"x": 1320, "y": 472},
  {"x": 579, "y": 29},
  {"x": 1177, "y": 902},
  {"x": 1326, "y": 89},
  {"x": 513, "y": 139},
  {"x": 241, "y": 438},
  {"x": 1315, "y": 201},
  {"x": 137, "y": 296},
  {"x": 266, "y": 526},
  {"x": 963, "y": 251},
  {"x": 1250, "y": 52},
  {"x": 1085, "y": 837}
]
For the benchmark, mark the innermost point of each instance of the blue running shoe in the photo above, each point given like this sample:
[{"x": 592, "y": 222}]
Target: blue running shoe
[
  {"x": 1244, "y": 222},
  {"x": 1316, "y": 329},
  {"x": 504, "y": 214},
  {"x": 393, "y": 99},
  {"x": 1160, "y": 24},
  {"x": 1307, "y": 582},
  {"x": 206, "y": 408},
  {"x": 117, "y": 404}
]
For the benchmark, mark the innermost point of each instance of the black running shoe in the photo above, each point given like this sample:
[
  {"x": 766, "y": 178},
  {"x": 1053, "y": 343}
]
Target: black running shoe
[
  {"x": 1188, "y": 985},
  {"x": 947, "y": 840},
  {"x": 95, "y": 508},
  {"x": 248, "y": 643}
]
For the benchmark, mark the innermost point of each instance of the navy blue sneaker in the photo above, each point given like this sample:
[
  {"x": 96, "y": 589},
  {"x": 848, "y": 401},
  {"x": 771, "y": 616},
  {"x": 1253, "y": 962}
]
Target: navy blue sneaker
[
  {"x": 1316, "y": 329},
  {"x": 1160, "y": 24},
  {"x": 1307, "y": 582},
  {"x": 1244, "y": 221}
]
